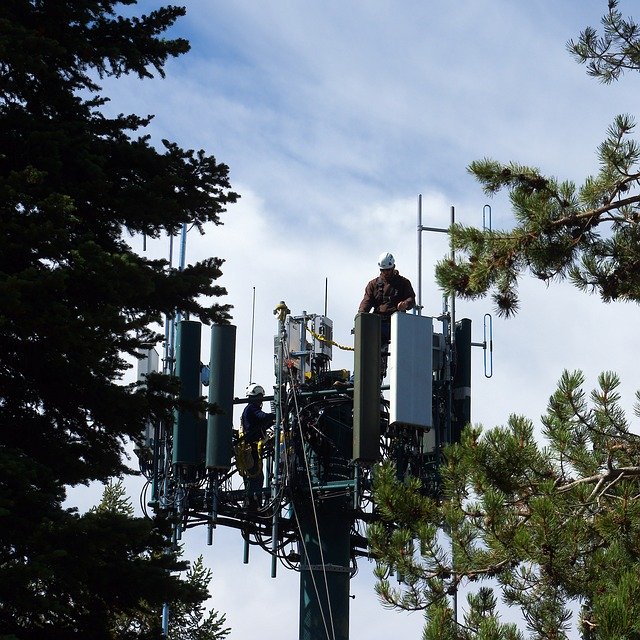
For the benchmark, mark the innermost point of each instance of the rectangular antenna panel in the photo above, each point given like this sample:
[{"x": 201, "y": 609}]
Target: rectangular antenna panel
[
  {"x": 297, "y": 355},
  {"x": 292, "y": 342},
  {"x": 295, "y": 335},
  {"x": 411, "y": 370},
  {"x": 366, "y": 388},
  {"x": 148, "y": 363},
  {"x": 322, "y": 327},
  {"x": 438, "y": 351}
]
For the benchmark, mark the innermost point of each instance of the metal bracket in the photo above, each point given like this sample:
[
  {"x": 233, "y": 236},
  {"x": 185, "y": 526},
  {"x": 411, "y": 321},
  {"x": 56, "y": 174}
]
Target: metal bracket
[{"x": 325, "y": 567}]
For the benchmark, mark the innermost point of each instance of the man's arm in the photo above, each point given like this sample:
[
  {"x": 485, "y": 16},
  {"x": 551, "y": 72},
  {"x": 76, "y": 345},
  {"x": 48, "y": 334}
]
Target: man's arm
[
  {"x": 408, "y": 297},
  {"x": 368, "y": 301}
]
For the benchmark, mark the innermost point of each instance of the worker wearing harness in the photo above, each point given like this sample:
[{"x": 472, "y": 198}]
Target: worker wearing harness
[
  {"x": 388, "y": 293},
  {"x": 255, "y": 423}
]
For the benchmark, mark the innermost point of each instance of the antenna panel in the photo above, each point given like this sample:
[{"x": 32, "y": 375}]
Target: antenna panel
[
  {"x": 411, "y": 370},
  {"x": 149, "y": 363},
  {"x": 322, "y": 327}
]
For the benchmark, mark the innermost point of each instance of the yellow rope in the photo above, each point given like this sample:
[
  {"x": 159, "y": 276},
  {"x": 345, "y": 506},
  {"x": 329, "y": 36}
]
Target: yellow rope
[{"x": 323, "y": 339}]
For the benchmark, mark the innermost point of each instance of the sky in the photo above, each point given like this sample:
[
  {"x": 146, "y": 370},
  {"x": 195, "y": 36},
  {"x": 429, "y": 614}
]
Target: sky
[{"x": 333, "y": 117}]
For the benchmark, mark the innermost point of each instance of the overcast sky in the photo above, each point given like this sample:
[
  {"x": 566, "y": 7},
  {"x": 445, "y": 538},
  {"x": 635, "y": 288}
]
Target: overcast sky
[{"x": 333, "y": 116}]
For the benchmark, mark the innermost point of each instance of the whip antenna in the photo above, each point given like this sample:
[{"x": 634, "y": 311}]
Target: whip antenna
[
  {"x": 326, "y": 292},
  {"x": 253, "y": 319}
]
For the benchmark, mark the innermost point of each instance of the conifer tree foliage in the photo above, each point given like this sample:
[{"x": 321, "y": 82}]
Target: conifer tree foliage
[
  {"x": 193, "y": 621},
  {"x": 74, "y": 185},
  {"x": 609, "y": 55},
  {"x": 556, "y": 526},
  {"x": 588, "y": 233},
  {"x": 188, "y": 620},
  {"x": 550, "y": 526}
]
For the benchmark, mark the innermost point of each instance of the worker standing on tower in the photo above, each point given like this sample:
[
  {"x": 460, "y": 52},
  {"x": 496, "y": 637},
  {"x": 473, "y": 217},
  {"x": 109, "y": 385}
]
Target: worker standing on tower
[
  {"x": 387, "y": 293},
  {"x": 255, "y": 423}
]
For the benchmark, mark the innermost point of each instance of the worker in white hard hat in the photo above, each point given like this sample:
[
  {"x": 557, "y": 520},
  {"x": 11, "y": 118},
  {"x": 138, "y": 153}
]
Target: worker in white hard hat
[
  {"x": 255, "y": 423},
  {"x": 387, "y": 293}
]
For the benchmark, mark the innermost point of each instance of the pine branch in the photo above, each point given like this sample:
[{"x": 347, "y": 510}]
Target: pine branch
[{"x": 601, "y": 478}]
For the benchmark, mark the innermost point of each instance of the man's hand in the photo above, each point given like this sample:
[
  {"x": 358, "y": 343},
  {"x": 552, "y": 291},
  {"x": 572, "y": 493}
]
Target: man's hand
[{"x": 403, "y": 306}]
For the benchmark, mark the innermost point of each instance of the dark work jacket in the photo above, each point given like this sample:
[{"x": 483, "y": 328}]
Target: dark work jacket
[
  {"x": 255, "y": 422},
  {"x": 383, "y": 297}
]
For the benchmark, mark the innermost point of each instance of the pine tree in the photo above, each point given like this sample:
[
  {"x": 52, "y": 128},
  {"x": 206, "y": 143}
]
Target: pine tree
[
  {"x": 549, "y": 525},
  {"x": 617, "y": 50},
  {"x": 193, "y": 621},
  {"x": 188, "y": 620},
  {"x": 552, "y": 524},
  {"x": 589, "y": 233},
  {"x": 75, "y": 299}
]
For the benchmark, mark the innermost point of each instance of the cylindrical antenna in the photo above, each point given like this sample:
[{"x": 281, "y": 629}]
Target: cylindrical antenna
[
  {"x": 253, "y": 319},
  {"x": 488, "y": 334},
  {"x": 486, "y": 217}
]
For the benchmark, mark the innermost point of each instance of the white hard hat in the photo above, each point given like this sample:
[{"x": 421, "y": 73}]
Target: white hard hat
[
  {"x": 253, "y": 390},
  {"x": 386, "y": 261}
]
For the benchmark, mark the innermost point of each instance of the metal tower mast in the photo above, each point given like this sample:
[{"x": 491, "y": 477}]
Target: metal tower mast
[{"x": 331, "y": 428}]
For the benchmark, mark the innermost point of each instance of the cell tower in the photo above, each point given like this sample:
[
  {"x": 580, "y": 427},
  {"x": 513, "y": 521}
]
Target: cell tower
[{"x": 331, "y": 427}]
